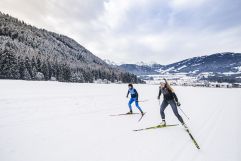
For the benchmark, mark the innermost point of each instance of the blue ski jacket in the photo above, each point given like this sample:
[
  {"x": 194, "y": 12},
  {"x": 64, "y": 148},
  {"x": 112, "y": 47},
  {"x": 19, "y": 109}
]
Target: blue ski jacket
[{"x": 133, "y": 92}]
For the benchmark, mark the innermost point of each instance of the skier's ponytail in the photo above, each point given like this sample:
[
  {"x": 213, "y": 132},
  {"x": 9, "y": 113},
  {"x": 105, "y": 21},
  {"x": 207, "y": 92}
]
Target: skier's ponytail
[{"x": 169, "y": 87}]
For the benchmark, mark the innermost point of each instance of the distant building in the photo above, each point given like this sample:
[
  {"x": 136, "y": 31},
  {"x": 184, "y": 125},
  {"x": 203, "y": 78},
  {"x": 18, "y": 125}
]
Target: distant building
[
  {"x": 225, "y": 85},
  {"x": 236, "y": 85}
]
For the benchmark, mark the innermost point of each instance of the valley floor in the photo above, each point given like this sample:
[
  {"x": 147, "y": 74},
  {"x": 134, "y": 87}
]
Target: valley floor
[{"x": 53, "y": 121}]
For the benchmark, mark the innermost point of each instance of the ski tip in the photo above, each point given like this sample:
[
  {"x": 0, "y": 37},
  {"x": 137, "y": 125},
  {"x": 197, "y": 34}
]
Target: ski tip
[{"x": 142, "y": 114}]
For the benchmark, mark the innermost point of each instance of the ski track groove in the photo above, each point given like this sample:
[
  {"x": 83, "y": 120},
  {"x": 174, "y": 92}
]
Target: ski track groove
[
  {"x": 196, "y": 135},
  {"x": 199, "y": 134}
]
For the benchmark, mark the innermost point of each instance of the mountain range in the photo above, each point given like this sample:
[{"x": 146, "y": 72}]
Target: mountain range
[{"x": 218, "y": 67}]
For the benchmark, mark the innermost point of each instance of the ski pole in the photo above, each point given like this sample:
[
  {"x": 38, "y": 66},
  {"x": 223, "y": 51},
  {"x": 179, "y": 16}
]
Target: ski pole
[
  {"x": 143, "y": 100},
  {"x": 183, "y": 112}
]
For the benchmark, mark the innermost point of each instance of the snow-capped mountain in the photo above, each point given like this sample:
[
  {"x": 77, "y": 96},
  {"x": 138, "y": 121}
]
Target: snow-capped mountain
[
  {"x": 141, "y": 63},
  {"x": 111, "y": 63},
  {"x": 221, "y": 63},
  {"x": 221, "y": 66},
  {"x": 142, "y": 69}
]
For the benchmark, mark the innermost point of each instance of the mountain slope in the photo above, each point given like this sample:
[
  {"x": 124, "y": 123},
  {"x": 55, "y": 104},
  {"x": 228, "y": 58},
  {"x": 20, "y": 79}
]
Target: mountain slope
[
  {"x": 216, "y": 63},
  {"x": 31, "y": 53}
]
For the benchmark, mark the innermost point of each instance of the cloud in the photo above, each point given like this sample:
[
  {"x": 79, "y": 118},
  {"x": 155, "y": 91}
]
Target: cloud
[
  {"x": 138, "y": 30},
  {"x": 186, "y": 4}
]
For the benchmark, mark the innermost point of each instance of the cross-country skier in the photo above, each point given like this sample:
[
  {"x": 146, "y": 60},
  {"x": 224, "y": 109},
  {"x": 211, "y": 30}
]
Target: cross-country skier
[
  {"x": 134, "y": 98},
  {"x": 169, "y": 98}
]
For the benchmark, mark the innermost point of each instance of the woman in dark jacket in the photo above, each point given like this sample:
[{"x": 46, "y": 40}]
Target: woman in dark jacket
[{"x": 169, "y": 98}]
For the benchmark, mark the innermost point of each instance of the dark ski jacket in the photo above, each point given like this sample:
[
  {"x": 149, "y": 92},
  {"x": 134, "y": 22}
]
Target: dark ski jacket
[
  {"x": 133, "y": 92},
  {"x": 167, "y": 94}
]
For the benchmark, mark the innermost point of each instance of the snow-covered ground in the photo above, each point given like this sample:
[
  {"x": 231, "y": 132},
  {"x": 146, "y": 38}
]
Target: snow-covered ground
[{"x": 52, "y": 121}]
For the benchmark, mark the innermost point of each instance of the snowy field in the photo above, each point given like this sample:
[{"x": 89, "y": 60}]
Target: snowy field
[{"x": 52, "y": 121}]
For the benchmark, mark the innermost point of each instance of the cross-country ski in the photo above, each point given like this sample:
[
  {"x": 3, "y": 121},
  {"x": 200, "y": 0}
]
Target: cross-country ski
[
  {"x": 142, "y": 115},
  {"x": 192, "y": 138},
  {"x": 124, "y": 114},
  {"x": 156, "y": 127}
]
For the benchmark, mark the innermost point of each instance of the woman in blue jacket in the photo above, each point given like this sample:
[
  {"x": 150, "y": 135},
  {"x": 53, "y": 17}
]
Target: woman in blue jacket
[{"x": 134, "y": 98}]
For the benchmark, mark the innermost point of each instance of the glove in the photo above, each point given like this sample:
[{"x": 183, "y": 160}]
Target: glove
[{"x": 178, "y": 104}]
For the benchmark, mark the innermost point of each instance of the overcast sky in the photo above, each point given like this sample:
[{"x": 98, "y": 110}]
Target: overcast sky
[{"x": 130, "y": 31}]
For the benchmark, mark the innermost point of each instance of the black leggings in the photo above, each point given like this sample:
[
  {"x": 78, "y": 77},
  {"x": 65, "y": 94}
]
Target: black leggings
[{"x": 174, "y": 109}]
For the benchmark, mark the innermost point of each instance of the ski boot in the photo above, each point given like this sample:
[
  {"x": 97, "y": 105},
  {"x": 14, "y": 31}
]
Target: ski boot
[
  {"x": 129, "y": 112},
  {"x": 163, "y": 123}
]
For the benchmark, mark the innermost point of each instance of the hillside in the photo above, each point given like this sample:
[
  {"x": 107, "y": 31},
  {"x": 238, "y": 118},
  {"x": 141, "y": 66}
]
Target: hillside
[{"x": 29, "y": 53}]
